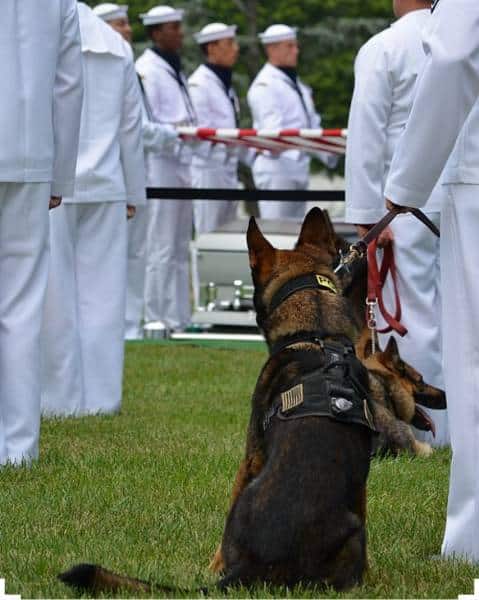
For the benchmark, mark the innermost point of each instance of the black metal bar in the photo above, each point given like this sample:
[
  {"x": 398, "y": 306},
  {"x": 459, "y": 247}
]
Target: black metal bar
[{"x": 251, "y": 195}]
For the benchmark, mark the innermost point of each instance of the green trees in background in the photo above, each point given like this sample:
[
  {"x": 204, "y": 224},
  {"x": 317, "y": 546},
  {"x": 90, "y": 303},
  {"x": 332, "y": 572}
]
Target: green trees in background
[{"x": 331, "y": 32}]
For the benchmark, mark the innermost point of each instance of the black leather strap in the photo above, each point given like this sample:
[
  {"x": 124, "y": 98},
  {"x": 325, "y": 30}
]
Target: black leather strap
[{"x": 304, "y": 282}]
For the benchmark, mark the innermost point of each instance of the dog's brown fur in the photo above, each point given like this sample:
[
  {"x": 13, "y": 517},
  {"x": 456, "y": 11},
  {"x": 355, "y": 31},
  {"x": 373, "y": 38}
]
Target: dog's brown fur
[{"x": 396, "y": 389}]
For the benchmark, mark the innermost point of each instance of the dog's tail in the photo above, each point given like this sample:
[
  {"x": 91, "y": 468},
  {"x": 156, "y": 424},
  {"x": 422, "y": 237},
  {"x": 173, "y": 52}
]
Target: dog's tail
[{"x": 96, "y": 579}]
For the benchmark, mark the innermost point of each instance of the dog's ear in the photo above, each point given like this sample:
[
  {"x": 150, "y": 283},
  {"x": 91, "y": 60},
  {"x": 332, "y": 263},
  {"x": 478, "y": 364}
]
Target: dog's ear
[
  {"x": 317, "y": 230},
  {"x": 261, "y": 252},
  {"x": 391, "y": 352}
]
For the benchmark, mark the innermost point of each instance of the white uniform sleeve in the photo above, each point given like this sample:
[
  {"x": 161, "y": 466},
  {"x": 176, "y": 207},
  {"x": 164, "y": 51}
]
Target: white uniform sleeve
[
  {"x": 131, "y": 146},
  {"x": 203, "y": 115},
  {"x": 265, "y": 108},
  {"x": 67, "y": 103},
  {"x": 367, "y": 135},
  {"x": 157, "y": 136},
  {"x": 330, "y": 160},
  {"x": 446, "y": 93}
]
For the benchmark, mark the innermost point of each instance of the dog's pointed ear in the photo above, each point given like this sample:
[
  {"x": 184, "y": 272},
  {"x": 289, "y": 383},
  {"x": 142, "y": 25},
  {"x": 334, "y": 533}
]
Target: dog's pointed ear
[
  {"x": 261, "y": 252},
  {"x": 317, "y": 231},
  {"x": 391, "y": 352}
]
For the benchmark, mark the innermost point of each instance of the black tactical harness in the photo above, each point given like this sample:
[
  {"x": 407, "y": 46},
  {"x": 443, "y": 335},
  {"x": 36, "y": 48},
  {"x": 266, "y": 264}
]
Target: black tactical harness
[{"x": 334, "y": 390}]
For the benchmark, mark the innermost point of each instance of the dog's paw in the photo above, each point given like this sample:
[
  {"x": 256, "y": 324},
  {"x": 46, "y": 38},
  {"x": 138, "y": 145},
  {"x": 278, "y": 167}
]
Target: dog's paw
[
  {"x": 217, "y": 565},
  {"x": 422, "y": 449}
]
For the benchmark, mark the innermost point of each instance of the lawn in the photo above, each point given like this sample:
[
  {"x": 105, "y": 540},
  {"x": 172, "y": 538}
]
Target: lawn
[{"x": 146, "y": 492}]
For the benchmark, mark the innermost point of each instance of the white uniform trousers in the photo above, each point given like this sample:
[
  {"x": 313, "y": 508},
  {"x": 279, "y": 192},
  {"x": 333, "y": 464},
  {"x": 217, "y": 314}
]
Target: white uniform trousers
[
  {"x": 211, "y": 214},
  {"x": 23, "y": 280},
  {"x": 84, "y": 319},
  {"x": 416, "y": 252},
  {"x": 460, "y": 316},
  {"x": 169, "y": 231},
  {"x": 265, "y": 180},
  {"x": 136, "y": 273}
]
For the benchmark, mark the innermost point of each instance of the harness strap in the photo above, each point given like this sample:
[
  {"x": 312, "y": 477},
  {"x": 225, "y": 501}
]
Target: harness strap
[
  {"x": 303, "y": 282},
  {"x": 376, "y": 280},
  {"x": 341, "y": 345}
]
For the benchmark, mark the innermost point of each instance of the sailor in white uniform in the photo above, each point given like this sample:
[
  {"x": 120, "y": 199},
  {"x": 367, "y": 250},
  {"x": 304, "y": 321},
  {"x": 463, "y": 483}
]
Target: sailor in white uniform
[
  {"x": 443, "y": 131},
  {"x": 116, "y": 15},
  {"x": 40, "y": 110},
  {"x": 386, "y": 71},
  {"x": 156, "y": 136},
  {"x": 170, "y": 222},
  {"x": 278, "y": 99},
  {"x": 217, "y": 106},
  {"x": 85, "y": 311}
]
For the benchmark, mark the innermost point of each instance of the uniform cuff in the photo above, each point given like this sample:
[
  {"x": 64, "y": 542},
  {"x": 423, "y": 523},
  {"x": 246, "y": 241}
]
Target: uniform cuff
[
  {"x": 63, "y": 190},
  {"x": 364, "y": 216},
  {"x": 404, "y": 196}
]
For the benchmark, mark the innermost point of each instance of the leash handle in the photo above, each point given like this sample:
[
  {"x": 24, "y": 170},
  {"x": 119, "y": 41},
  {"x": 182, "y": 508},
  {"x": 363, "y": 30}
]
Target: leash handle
[
  {"x": 360, "y": 248},
  {"x": 376, "y": 281}
]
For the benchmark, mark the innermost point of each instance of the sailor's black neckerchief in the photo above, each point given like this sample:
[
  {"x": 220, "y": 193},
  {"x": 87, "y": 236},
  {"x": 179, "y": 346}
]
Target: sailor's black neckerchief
[
  {"x": 174, "y": 61},
  {"x": 225, "y": 75}
]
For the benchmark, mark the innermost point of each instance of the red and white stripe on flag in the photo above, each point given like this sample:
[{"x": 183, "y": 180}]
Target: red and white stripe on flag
[{"x": 306, "y": 140}]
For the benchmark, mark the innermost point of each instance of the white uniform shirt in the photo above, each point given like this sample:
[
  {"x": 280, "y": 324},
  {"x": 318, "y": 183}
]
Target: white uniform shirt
[
  {"x": 216, "y": 108},
  {"x": 386, "y": 70},
  {"x": 275, "y": 104},
  {"x": 110, "y": 161},
  {"x": 38, "y": 144},
  {"x": 446, "y": 103},
  {"x": 167, "y": 101}
]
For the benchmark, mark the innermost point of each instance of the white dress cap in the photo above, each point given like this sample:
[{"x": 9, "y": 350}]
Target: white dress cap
[
  {"x": 162, "y": 14},
  {"x": 109, "y": 11},
  {"x": 278, "y": 33},
  {"x": 215, "y": 31}
]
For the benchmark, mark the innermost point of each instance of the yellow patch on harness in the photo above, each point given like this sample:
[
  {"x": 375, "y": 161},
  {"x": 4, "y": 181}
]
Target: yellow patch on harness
[
  {"x": 292, "y": 398},
  {"x": 325, "y": 282}
]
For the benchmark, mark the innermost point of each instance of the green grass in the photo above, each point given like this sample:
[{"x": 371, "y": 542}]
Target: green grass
[{"x": 146, "y": 492}]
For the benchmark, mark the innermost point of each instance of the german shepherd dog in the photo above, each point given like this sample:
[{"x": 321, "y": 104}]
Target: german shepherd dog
[
  {"x": 298, "y": 512},
  {"x": 397, "y": 388},
  {"x": 397, "y": 391}
]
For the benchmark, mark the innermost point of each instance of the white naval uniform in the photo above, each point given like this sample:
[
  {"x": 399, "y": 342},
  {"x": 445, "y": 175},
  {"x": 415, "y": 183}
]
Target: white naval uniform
[
  {"x": 275, "y": 104},
  {"x": 214, "y": 165},
  {"x": 156, "y": 136},
  {"x": 444, "y": 120},
  {"x": 85, "y": 311},
  {"x": 386, "y": 71},
  {"x": 40, "y": 104},
  {"x": 170, "y": 222}
]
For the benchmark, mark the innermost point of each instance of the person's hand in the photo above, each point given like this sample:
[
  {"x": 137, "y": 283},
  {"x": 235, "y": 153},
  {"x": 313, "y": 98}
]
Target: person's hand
[
  {"x": 385, "y": 238},
  {"x": 54, "y": 202},
  {"x": 130, "y": 211}
]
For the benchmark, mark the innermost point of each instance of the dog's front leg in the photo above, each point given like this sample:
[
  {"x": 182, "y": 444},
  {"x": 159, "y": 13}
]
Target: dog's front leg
[{"x": 249, "y": 468}]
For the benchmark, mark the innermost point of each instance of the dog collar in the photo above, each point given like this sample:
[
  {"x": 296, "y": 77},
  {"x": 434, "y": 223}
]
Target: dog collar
[{"x": 303, "y": 282}]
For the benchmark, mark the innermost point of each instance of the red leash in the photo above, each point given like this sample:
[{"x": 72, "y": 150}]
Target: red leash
[{"x": 376, "y": 280}]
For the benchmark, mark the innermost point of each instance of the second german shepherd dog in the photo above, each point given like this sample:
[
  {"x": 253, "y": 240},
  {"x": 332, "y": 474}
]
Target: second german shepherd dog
[
  {"x": 298, "y": 513},
  {"x": 397, "y": 391}
]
